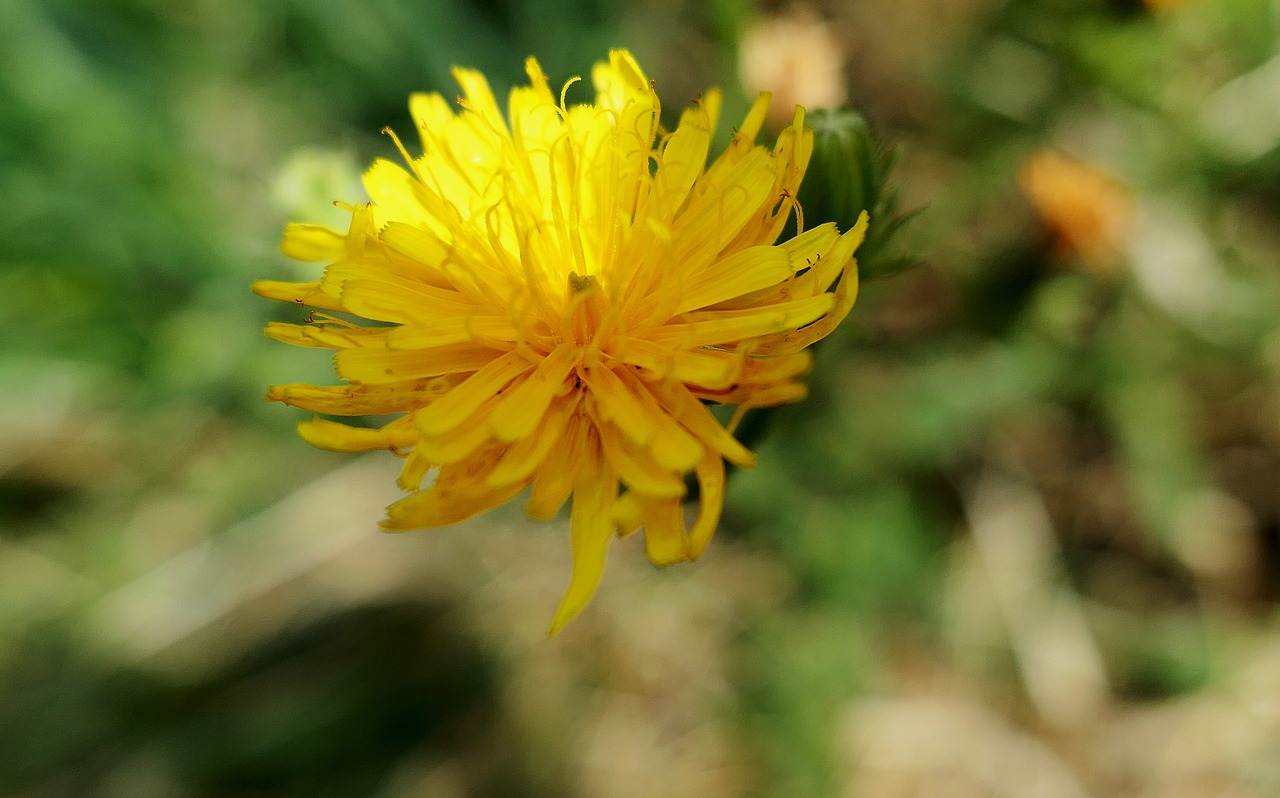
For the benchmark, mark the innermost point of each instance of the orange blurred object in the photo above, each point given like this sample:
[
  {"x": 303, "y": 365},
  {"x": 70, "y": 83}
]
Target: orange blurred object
[
  {"x": 798, "y": 58},
  {"x": 1088, "y": 211}
]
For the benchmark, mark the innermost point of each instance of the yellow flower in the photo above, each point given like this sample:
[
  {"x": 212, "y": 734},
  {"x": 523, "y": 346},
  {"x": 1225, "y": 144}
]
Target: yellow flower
[{"x": 559, "y": 294}]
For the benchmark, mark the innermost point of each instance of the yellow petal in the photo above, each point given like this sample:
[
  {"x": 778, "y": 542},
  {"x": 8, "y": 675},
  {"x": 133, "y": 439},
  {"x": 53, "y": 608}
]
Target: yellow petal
[
  {"x": 299, "y": 293},
  {"x": 750, "y": 127},
  {"x": 683, "y": 157},
  {"x": 711, "y": 100},
  {"x": 836, "y": 261},
  {"x": 673, "y": 446},
  {"x": 431, "y": 333},
  {"x": 390, "y": 299},
  {"x": 619, "y": 82},
  {"x": 335, "y": 437},
  {"x": 616, "y": 403},
  {"x": 810, "y": 252},
  {"x": 457, "y": 493},
  {"x": 710, "y": 503},
  {"x": 430, "y": 112},
  {"x": 523, "y": 406},
  {"x": 459, "y": 442},
  {"x": 523, "y": 457},
  {"x": 377, "y": 365},
  {"x": 740, "y": 273},
  {"x": 627, "y": 514},
  {"x": 479, "y": 97},
  {"x": 591, "y": 527},
  {"x": 778, "y": 368},
  {"x": 724, "y": 203},
  {"x": 805, "y": 249},
  {"x": 706, "y": 367},
  {"x": 636, "y": 467},
  {"x": 414, "y": 471},
  {"x": 426, "y": 253},
  {"x": 439, "y": 506},
  {"x": 711, "y": 327},
  {"x": 312, "y": 242},
  {"x": 693, "y": 415},
  {"x": 845, "y": 294},
  {"x": 553, "y": 480},
  {"x": 328, "y": 336},
  {"x": 465, "y": 398},
  {"x": 757, "y": 395},
  {"x": 401, "y": 196},
  {"x": 666, "y": 541},
  {"x": 359, "y": 400}
]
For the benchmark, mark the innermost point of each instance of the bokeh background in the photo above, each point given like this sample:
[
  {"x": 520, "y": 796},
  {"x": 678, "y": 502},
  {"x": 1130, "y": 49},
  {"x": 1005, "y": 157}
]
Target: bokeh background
[{"x": 1022, "y": 540}]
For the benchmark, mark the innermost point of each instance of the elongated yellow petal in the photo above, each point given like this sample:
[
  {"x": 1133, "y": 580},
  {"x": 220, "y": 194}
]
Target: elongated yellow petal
[
  {"x": 673, "y": 446},
  {"x": 399, "y": 196},
  {"x": 374, "y": 365},
  {"x": 684, "y": 155},
  {"x": 666, "y": 541},
  {"x": 710, "y": 474},
  {"x": 479, "y": 97},
  {"x": 555, "y": 475},
  {"x": 465, "y": 398},
  {"x": 617, "y": 404},
  {"x": 300, "y": 293},
  {"x": 750, "y": 127},
  {"x": 727, "y": 202},
  {"x": 459, "y": 442},
  {"x": 359, "y": 400},
  {"x": 758, "y": 395},
  {"x": 741, "y": 273},
  {"x": 336, "y": 437},
  {"x": 694, "y": 416},
  {"x": 328, "y": 336},
  {"x": 522, "y": 408},
  {"x": 439, "y": 506},
  {"x": 711, "y": 327},
  {"x": 591, "y": 525},
  {"x": 710, "y": 368},
  {"x": 845, "y": 294},
  {"x": 638, "y": 469},
  {"x": 415, "y": 469},
  {"x": 388, "y": 299},
  {"x": 627, "y": 514},
  {"x": 312, "y": 242},
  {"x": 430, "y": 112},
  {"x": 523, "y": 457},
  {"x": 428, "y": 252},
  {"x": 433, "y": 332},
  {"x": 805, "y": 249}
]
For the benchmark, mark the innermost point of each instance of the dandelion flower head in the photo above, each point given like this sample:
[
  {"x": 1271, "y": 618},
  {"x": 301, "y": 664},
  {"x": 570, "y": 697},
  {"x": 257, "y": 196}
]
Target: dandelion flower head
[{"x": 551, "y": 299}]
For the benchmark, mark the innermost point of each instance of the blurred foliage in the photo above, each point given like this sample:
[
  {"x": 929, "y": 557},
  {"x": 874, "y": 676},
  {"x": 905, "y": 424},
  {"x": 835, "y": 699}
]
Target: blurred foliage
[{"x": 1034, "y": 495}]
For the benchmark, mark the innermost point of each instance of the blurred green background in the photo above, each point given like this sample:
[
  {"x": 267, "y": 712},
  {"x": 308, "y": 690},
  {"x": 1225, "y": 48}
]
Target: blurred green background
[{"x": 1023, "y": 539}]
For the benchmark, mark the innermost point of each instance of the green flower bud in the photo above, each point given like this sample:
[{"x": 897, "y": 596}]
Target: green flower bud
[
  {"x": 844, "y": 177},
  {"x": 847, "y": 175}
]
